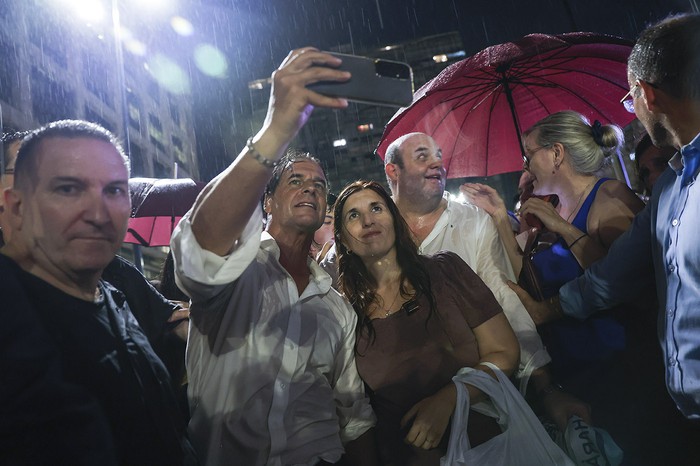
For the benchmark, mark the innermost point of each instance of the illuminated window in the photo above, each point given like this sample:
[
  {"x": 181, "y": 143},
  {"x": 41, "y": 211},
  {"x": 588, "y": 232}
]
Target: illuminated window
[{"x": 155, "y": 132}]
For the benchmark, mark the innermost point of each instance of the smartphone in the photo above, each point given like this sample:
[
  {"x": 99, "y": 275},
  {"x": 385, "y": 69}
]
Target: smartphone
[
  {"x": 374, "y": 81},
  {"x": 532, "y": 220}
]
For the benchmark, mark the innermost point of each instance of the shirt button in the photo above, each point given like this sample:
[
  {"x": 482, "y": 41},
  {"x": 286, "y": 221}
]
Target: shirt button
[
  {"x": 674, "y": 222},
  {"x": 670, "y": 312},
  {"x": 671, "y": 268},
  {"x": 283, "y": 385},
  {"x": 671, "y": 362}
]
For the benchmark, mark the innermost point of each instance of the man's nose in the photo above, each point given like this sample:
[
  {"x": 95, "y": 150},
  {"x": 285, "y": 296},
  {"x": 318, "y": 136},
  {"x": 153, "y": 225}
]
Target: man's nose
[
  {"x": 435, "y": 161},
  {"x": 310, "y": 187},
  {"x": 95, "y": 209}
]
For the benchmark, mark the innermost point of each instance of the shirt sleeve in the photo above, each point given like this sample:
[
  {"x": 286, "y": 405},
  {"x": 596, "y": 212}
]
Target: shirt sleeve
[
  {"x": 617, "y": 277},
  {"x": 494, "y": 269},
  {"x": 202, "y": 274},
  {"x": 353, "y": 407}
]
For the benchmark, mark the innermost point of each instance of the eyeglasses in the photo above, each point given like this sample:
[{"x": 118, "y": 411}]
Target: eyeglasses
[
  {"x": 531, "y": 153},
  {"x": 628, "y": 99}
]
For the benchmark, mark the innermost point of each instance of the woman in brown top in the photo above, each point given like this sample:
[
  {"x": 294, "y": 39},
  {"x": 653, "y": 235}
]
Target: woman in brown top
[{"x": 420, "y": 319}]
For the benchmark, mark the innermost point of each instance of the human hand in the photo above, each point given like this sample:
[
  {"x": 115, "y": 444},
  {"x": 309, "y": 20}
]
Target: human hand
[
  {"x": 484, "y": 197},
  {"x": 545, "y": 212},
  {"x": 323, "y": 251},
  {"x": 560, "y": 406},
  {"x": 541, "y": 312},
  {"x": 430, "y": 417},
  {"x": 181, "y": 315},
  {"x": 291, "y": 102}
]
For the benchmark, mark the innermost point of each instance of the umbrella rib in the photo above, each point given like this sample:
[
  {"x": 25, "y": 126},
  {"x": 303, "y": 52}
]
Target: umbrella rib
[
  {"x": 138, "y": 237},
  {"x": 576, "y": 96}
]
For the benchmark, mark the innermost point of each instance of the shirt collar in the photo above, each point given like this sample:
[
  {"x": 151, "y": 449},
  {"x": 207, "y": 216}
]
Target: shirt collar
[
  {"x": 689, "y": 151},
  {"x": 319, "y": 276}
]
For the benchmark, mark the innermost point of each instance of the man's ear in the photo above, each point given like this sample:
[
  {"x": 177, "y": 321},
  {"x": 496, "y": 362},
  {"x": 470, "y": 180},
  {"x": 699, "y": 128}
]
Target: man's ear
[
  {"x": 267, "y": 204},
  {"x": 391, "y": 170},
  {"x": 651, "y": 97},
  {"x": 13, "y": 208}
]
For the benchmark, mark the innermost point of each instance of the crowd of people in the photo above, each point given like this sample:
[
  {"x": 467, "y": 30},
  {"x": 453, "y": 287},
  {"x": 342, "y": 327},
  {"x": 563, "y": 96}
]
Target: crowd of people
[{"x": 327, "y": 330}]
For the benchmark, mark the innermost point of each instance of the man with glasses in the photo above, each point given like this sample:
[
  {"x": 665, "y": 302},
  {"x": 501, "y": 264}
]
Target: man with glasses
[{"x": 661, "y": 246}]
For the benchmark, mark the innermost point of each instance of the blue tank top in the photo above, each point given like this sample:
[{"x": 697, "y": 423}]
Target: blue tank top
[
  {"x": 575, "y": 344},
  {"x": 557, "y": 265}
]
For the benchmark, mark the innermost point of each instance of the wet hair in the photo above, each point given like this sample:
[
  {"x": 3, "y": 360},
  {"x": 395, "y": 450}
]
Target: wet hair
[
  {"x": 330, "y": 201},
  {"x": 27, "y": 156},
  {"x": 589, "y": 146},
  {"x": 286, "y": 162},
  {"x": 666, "y": 55},
  {"x": 356, "y": 283},
  {"x": 8, "y": 138},
  {"x": 393, "y": 152}
]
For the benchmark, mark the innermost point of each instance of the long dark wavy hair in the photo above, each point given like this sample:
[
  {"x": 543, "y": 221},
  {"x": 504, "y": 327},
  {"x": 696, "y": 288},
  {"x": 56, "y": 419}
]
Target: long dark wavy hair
[{"x": 356, "y": 283}]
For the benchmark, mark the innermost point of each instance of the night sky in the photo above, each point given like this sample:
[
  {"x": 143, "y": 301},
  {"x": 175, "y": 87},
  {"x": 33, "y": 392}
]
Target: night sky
[{"x": 255, "y": 35}]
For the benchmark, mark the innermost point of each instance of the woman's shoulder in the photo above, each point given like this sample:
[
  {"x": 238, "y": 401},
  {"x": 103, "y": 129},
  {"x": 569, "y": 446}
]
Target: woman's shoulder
[
  {"x": 446, "y": 262},
  {"x": 615, "y": 191}
]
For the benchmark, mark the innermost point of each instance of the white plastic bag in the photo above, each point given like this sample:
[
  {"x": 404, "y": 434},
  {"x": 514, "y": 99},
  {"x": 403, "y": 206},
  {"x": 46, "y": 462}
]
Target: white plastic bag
[
  {"x": 523, "y": 442},
  {"x": 587, "y": 445}
]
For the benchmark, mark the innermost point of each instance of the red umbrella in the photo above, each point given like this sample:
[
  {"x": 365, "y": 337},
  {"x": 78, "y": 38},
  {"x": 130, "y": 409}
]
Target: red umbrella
[
  {"x": 477, "y": 108},
  {"x": 157, "y": 205}
]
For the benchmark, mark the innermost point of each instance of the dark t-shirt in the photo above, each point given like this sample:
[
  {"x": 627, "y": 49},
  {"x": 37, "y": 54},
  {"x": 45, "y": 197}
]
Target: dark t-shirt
[
  {"x": 104, "y": 354},
  {"x": 413, "y": 356}
]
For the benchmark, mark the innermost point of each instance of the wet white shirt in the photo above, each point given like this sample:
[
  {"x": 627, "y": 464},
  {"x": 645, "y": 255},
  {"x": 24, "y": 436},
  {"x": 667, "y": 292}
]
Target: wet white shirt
[
  {"x": 272, "y": 377},
  {"x": 470, "y": 233}
]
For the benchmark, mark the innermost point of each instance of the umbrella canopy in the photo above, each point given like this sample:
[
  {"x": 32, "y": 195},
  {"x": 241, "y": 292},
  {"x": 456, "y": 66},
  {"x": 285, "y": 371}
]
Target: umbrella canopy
[
  {"x": 477, "y": 108},
  {"x": 157, "y": 205}
]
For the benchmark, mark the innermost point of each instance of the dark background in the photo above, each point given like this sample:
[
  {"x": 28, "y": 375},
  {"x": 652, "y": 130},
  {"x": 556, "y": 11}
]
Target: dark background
[{"x": 257, "y": 35}]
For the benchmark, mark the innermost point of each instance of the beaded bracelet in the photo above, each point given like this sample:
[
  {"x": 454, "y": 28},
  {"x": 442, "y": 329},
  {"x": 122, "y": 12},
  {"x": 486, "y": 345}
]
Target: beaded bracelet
[{"x": 264, "y": 161}]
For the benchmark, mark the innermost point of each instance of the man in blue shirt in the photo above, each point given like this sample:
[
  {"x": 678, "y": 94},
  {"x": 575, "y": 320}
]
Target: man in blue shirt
[{"x": 661, "y": 246}]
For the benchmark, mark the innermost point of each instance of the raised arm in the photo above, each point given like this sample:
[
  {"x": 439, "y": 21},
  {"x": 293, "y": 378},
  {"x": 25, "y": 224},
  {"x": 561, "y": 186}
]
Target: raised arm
[
  {"x": 228, "y": 201},
  {"x": 487, "y": 198}
]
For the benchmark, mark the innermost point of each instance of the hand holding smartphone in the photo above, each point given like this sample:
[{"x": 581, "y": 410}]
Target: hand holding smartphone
[{"x": 373, "y": 81}]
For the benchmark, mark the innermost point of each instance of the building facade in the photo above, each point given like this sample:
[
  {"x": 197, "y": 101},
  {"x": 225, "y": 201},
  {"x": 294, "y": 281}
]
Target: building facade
[{"x": 54, "y": 67}]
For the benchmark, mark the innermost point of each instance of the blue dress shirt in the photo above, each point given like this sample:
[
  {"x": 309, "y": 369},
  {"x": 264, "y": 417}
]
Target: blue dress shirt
[{"x": 661, "y": 246}]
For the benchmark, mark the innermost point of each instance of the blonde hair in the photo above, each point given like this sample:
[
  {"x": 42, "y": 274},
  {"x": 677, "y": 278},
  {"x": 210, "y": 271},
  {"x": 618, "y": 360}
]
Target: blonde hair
[{"x": 589, "y": 146}]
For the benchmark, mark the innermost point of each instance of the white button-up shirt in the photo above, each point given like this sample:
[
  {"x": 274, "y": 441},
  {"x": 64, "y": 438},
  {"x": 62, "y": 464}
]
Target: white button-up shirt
[
  {"x": 272, "y": 376},
  {"x": 470, "y": 233}
]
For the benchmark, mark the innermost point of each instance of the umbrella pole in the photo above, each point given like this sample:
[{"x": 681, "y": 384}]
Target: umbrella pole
[
  {"x": 138, "y": 257},
  {"x": 511, "y": 104}
]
